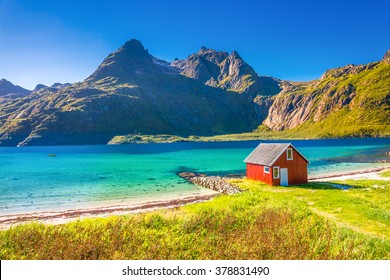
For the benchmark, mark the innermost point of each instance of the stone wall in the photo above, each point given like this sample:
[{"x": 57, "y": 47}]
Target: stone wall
[{"x": 215, "y": 183}]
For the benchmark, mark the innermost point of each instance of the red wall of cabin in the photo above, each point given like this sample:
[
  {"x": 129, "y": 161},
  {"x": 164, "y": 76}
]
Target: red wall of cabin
[
  {"x": 297, "y": 169},
  {"x": 256, "y": 172}
]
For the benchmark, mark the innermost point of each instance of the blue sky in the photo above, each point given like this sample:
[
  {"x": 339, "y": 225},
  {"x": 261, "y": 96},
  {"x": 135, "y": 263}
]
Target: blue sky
[{"x": 64, "y": 41}]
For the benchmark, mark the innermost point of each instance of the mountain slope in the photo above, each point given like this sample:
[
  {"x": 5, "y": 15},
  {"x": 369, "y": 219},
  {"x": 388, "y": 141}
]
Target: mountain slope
[
  {"x": 348, "y": 101},
  {"x": 130, "y": 92},
  {"x": 9, "y": 90}
]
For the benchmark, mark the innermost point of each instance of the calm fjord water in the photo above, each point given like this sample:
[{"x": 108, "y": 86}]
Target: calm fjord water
[{"x": 91, "y": 176}]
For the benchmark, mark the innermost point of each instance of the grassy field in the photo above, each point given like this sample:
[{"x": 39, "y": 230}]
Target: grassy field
[{"x": 315, "y": 221}]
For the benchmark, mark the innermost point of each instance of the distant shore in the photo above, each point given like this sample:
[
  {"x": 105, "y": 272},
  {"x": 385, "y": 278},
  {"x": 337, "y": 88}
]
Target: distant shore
[
  {"x": 260, "y": 135},
  {"x": 64, "y": 216}
]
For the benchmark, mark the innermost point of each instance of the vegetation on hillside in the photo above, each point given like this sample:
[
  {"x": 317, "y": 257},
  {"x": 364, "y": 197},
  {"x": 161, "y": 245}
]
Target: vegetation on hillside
[
  {"x": 314, "y": 221},
  {"x": 350, "y": 101}
]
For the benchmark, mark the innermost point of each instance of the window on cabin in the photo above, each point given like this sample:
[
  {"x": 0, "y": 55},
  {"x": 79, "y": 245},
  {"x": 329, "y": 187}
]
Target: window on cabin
[
  {"x": 289, "y": 153},
  {"x": 276, "y": 172},
  {"x": 266, "y": 169}
]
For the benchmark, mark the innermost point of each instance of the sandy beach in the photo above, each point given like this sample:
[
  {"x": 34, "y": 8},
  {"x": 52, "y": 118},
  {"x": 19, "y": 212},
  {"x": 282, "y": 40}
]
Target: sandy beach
[
  {"x": 373, "y": 174},
  {"x": 61, "y": 217}
]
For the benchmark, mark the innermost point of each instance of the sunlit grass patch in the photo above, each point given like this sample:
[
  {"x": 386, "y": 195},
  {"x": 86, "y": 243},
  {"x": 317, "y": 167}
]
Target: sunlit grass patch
[
  {"x": 263, "y": 222},
  {"x": 385, "y": 173}
]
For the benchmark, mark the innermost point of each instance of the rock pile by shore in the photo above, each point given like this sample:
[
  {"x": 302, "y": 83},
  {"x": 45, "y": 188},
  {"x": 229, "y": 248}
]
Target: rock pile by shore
[
  {"x": 215, "y": 183},
  {"x": 385, "y": 160}
]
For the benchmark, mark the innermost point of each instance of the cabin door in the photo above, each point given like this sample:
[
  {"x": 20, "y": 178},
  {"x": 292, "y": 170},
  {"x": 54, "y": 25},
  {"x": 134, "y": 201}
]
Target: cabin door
[{"x": 283, "y": 176}]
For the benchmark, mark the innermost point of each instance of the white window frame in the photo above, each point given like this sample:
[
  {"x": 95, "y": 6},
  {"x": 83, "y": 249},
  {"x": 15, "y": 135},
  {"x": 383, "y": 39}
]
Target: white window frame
[
  {"x": 265, "y": 171},
  {"x": 292, "y": 157},
  {"x": 273, "y": 172}
]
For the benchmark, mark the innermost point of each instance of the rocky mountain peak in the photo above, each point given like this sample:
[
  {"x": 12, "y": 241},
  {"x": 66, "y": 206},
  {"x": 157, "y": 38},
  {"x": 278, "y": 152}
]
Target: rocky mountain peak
[
  {"x": 125, "y": 64},
  {"x": 235, "y": 55},
  {"x": 212, "y": 55},
  {"x": 10, "y": 90},
  {"x": 134, "y": 48},
  {"x": 203, "y": 49},
  {"x": 39, "y": 86},
  {"x": 227, "y": 71},
  {"x": 6, "y": 82}
]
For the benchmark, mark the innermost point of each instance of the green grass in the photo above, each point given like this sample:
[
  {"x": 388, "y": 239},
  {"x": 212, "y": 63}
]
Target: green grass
[
  {"x": 385, "y": 173},
  {"x": 364, "y": 208},
  {"x": 314, "y": 221}
]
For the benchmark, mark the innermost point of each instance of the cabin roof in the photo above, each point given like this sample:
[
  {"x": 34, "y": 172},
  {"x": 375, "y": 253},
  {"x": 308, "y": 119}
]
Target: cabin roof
[{"x": 268, "y": 153}]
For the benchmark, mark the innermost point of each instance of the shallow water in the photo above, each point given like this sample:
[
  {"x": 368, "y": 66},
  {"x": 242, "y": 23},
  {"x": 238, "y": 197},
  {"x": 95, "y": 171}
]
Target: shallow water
[{"x": 33, "y": 180}]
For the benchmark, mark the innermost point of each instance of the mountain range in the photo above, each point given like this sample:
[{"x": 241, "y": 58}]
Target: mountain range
[{"x": 208, "y": 93}]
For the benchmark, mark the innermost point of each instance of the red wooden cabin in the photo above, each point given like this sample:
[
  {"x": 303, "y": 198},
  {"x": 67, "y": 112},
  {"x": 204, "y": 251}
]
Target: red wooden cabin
[{"x": 277, "y": 164}]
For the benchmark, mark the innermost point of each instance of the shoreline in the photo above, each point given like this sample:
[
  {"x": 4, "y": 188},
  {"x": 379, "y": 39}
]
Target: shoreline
[
  {"x": 61, "y": 217},
  {"x": 362, "y": 174},
  {"x": 65, "y": 216}
]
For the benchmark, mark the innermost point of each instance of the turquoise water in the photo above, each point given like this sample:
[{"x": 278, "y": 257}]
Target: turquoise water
[{"x": 91, "y": 176}]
